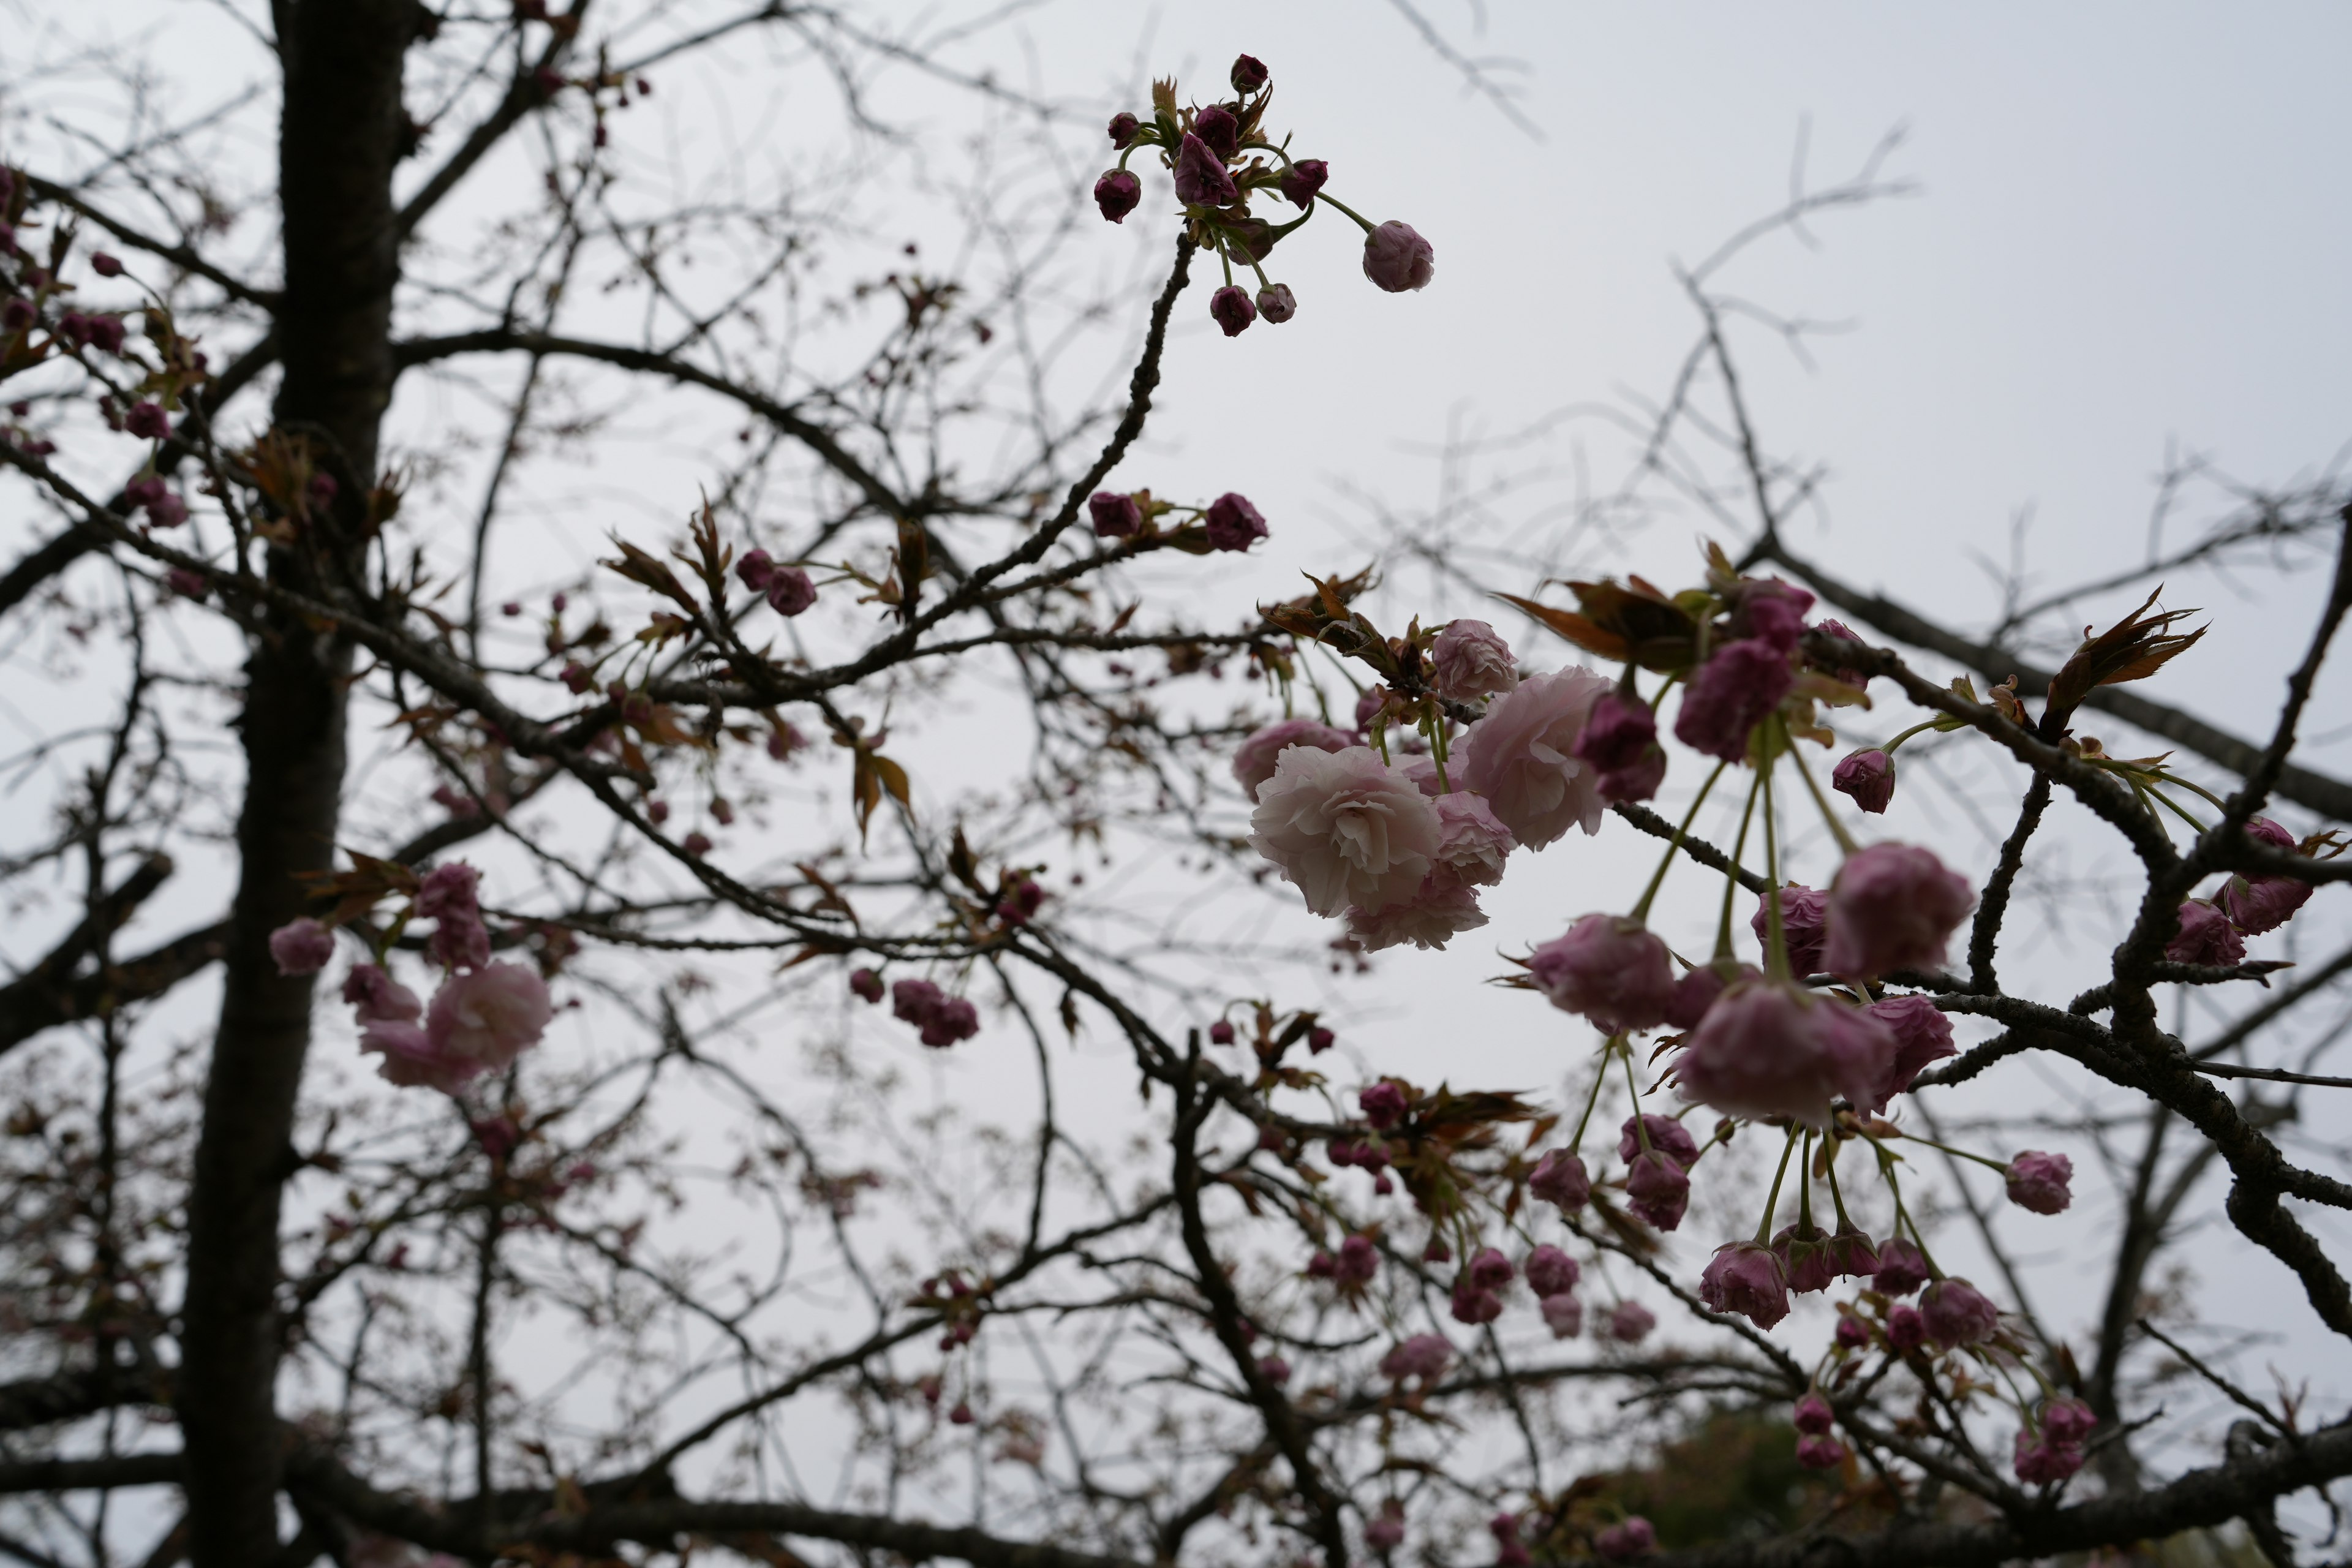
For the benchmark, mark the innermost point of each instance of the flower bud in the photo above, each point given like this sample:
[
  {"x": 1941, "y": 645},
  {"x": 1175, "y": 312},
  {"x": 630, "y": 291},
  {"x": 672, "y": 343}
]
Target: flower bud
[
  {"x": 1892, "y": 905},
  {"x": 756, "y": 570},
  {"x": 1664, "y": 1133},
  {"x": 1384, "y": 1104},
  {"x": 790, "y": 591},
  {"x": 1744, "y": 1277},
  {"x": 1471, "y": 660},
  {"x": 1490, "y": 1270},
  {"x": 1813, "y": 1415},
  {"x": 1397, "y": 258},
  {"x": 1123, "y": 127},
  {"x": 1321, "y": 1039},
  {"x": 1117, "y": 193},
  {"x": 1819, "y": 1453},
  {"x": 2039, "y": 1182},
  {"x": 1561, "y": 1181},
  {"x": 1656, "y": 1190},
  {"x": 2067, "y": 1420},
  {"x": 1221, "y": 1033},
  {"x": 2206, "y": 936},
  {"x": 1114, "y": 516},
  {"x": 301, "y": 947},
  {"x": 2044, "y": 1463},
  {"x": 1906, "y": 1331},
  {"x": 1424, "y": 1356},
  {"x": 1218, "y": 126},
  {"x": 1868, "y": 778},
  {"x": 1200, "y": 177},
  {"x": 1563, "y": 1314},
  {"x": 1957, "y": 1313},
  {"x": 1249, "y": 73},
  {"x": 1731, "y": 694},
  {"x": 1551, "y": 1271},
  {"x": 1474, "y": 1306},
  {"x": 147, "y": 421},
  {"x": 1804, "y": 1253},
  {"x": 1303, "y": 179},
  {"x": 1631, "y": 1324},
  {"x": 1902, "y": 1268},
  {"x": 1386, "y": 1532},
  {"x": 1230, "y": 306},
  {"x": 1277, "y": 303},
  {"x": 1359, "y": 1262},
  {"x": 1768, "y": 608},
  {"x": 1853, "y": 1333},
  {"x": 105, "y": 266},
  {"x": 864, "y": 983},
  {"x": 1274, "y": 1370},
  {"x": 1232, "y": 523}
]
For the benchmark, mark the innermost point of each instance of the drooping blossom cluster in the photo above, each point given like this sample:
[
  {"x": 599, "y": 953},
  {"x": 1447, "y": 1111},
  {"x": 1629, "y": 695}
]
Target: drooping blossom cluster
[{"x": 1220, "y": 157}]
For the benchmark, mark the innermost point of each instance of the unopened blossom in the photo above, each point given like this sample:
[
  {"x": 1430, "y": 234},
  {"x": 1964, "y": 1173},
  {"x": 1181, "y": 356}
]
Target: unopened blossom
[
  {"x": 1200, "y": 177},
  {"x": 1631, "y": 1322},
  {"x": 449, "y": 896},
  {"x": 1303, "y": 179},
  {"x": 1123, "y": 127},
  {"x": 1923, "y": 1037},
  {"x": 1248, "y": 75},
  {"x": 1277, "y": 303},
  {"x": 790, "y": 590},
  {"x": 1561, "y": 1180},
  {"x": 1621, "y": 739},
  {"x": 147, "y": 421},
  {"x": 105, "y": 265},
  {"x": 1472, "y": 1305},
  {"x": 1656, "y": 1190},
  {"x": 1345, "y": 828},
  {"x": 1218, "y": 126},
  {"x": 1772, "y": 610},
  {"x": 1438, "y": 911},
  {"x": 912, "y": 1001},
  {"x": 1232, "y": 310},
  {"x": 1819, "y": 1453},
  {"x": 1471, "y": 660},
  {"x": 1472, "y": 842},
  {"x": 1906, "y": 1331},
  {"x": 1851, "y": 1255},
  {"x": 1892, "y": 905},
  {"x": 1744, "y": 1277},
  {"x": 955, "y": 1018},
  {"x": 1114, "y": 515},
  {"x": 1813, "y": 1415},
  {"x": 2067, "y": 1420},
  {"x": 1803, "y": 1252},
  {"x": 1490, "y": 1270},
  {"x": 756, "y": 569},
  {"x": 1804, "y": 913},
  {"x": 866, "y": 984},
  {"x": 1866, "y": 778},
  {"x": 1321, "y": 1039},
  {"x": 1397, "y": 258},
  {"x": 377, "y": 997},
  {"x": 1902, "y": 1268},
  {"x": 1386, "y": 1530},
  {"x": 1274, "y": 1370},
  {"x": 488, "y": 1016},
  {"x": 301, "y": 947},
  {"x": 1615, "y": 970},
  {"x": 1232, "y": 523},
  {"x": 1359, "y": 1262},
  {"x": 2206, "y": 937},
  {"x": 1254, "y": 760},
  {"x": 2258, "y": 904},
  {"x": 1851, "y": 1333},
  {"x": 1664, "y": 1133},
  {"x": 1628, "y": 1539},
  {"x": 1731, "y": 694},
  {"x": 1384, "y": 1104},
  {"x": 1695, "y": 993},
  {"x": 1840, "y": 630},
  {"x": 1551, "y": 1271},
  {"x": 2043, "y": 1462},
  {"x": 1563, "y": 1314},
  {"x": 2039, "y": 1182},
  {"x": 1957, "y": 1313},
  {"x": 1522, "y": 757},
  {"x": 1767, "y": 1048},
  {"x": 1221, "y": 1033}
]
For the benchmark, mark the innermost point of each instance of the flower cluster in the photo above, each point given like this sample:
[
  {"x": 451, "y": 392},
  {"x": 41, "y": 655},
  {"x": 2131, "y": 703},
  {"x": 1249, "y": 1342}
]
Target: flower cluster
[
  {"x": 483, "y": 1015},
  {"x": 941, "y": 1020},
  {"x": 1221, "y": 156},
  {"x": 1227, "y": 523}
]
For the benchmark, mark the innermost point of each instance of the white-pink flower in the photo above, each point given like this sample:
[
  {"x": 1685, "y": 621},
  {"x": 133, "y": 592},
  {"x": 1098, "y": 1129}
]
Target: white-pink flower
[
  {"x": 1768, "y": 1048},
  {"x": 1346, "y": 827},
  {"x": 488, "y": 1017},
  {"x": 1521, "y": 757},
  {"x": 1471, "y": 659},
  {"x": 1431, "y": 917},
  {"x": 1254, "y": 760},
  {"x": 1472, "y": 842}
]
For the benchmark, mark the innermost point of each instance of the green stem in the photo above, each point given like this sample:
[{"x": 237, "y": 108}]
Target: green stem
[
  {"x": 1673, "y": 845},
  {"x": 1837, "y": 1198},
  {"x": 1915, "y": 729},
  {"x": 1362, "y": 221},
  {"x": 1776, "y": 941},
  {"x": 1576, "y": 1144},
  {"x": 2177, "y": 811},
  {"x": 1731, "y": 877},
  {"x": 1640, "y": 1128},
  {"x": 1805, "y": 1186},
  {"x": 1837, "y": 829},
  {"x": 1772, "y": 1203}
]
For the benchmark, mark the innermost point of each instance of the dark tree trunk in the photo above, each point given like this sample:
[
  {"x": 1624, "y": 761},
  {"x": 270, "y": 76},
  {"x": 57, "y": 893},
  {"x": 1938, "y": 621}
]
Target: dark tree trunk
[{"x": 338, "y": 139}]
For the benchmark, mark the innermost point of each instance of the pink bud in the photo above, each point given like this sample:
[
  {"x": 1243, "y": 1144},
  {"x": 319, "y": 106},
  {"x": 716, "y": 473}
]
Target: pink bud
[
  {"x": 1744, "y": 1277},
  {"x": 1424, "y": 1356},
  {"x": 1902, "y": 1268},
  {"x": 1561, "y": 1180},
  {"x": 1894, "y": 906},
  {"x": 2206, "y": 937},
  {"x": 1277, "y": 303},
  {"x": 2067, "y": 1420},
  {"x": 1232, "y": 522},
  {"x": 1321, "y": 1039},
  {"x": 1474, "y": 1306},
  {"x": 1906, "y": 1331},
  {"x": 1853, "y": 1333},
  {"x": 1218, "y": 126},
  {"x": 1200, "y": 177},
  {"x": 1923, "y": 1036},
  {"x": 1386, "y": 1530},
  {"x": 1303, "y": 179},
  {"x": 1819, "y": 1453},
  {"x": 1868, "y": 778},
  {"x": 1397, "y": 258},
  {"x": 1770, "y": 609},
  {"x": 147, "y": 421},
  {"x": 1118, "y": 193},
  {"x": 1664, "y": 1133},
  {"x": 1383, "y": 1103},
  {"x": 790, "y": 590},
  {"x": 1231, "y": 308},
  {"x": 301, "y": 947},
  {"x": 756, "y": 570},
  {"x": 104, "y": 265},
  {"x": 864, "y": 983},
  {"x": 1804, "y": 1253},
  {"x": 1114, "y": 516},
  {"x": 2044, "y": 1463},
  {"x": 1695, "y": 993},
  {"x": 1958, "y": 1314},
  {"x": 1813, "y": 1415},
  {"x": 1359, "y": 1262},
  {"x": 1274, "y": 1370},
  {"x": 1490, "y": 1270},
  {"x": 1731, "y": 694},
  {"x": 1551, "y": 1271},
  {"x": 1612, "y": 970},
  {"x": 2039, "y": 1182},
  {"x": 1631, "y": 1324},
  {"x": 1471, "y": 660},
  {"x": 1656, "y": 1190}
]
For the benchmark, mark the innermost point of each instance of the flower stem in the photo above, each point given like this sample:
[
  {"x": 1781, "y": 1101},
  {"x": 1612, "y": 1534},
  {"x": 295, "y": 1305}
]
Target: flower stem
[
  {"x": 1837, "y": 1198},
  {"x": 1731, "y": 876},
  {"x": 1837, "y": 829},
  {"x": 1772, "y": 1203},
  {"x": 1362, "y": 221},
  {"x": 1640, "y": 1128},
  {"x": 1576, "y": 1144},
  {"x": 1776, "y": 940},
  {"x": 1673, "y": 845}
]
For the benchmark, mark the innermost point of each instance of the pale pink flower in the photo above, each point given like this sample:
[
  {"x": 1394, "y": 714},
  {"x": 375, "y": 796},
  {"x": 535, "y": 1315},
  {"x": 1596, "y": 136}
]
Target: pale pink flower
[
  {"x": 1471, "y": 660},
  {"x": 1472, "y": 842},
  {"x": 301, "y": 947},
  {"x": 1767, "y": 1048},
  {"x": 1894, "y": 906},
  {"x": 1433, "y": 916},
  {"x": 377, "y": 996},
  {"x": 1522, "y": 757},
  {"x": 488, "y": 1017},
  {"x": 1923, "y": 1036},
  {"x": 1615, "y": 970},
  {"x": 2040, "y": 1182},
  {"x": 1346, "y": 828},
  {"x": 1253, "y": 761}
]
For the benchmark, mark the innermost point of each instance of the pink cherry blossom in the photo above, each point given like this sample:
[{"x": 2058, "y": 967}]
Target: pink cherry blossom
[
  {"x": 1744, "y": 1277},
  {"x": 1253, "y": 761},
  {"x": 378, "y": 998},
  {"x": 1551, "y": 1271},
  {"x": 2067, "y": 1420},
  {"x": 1667, "y": 1135},
  {"x": 1472, "y": 842},
  {"x": 1866, "y": 778},
  {"x": 2259, "y": 904},
  {"x": 1731, "y": 694},
  {"x": 1803, "y": 913},
  {"x": 1695, "y": 993},
  {"x": 1359, "y": 1262},
  {"x": 1563, "y": 1314},
  {"x": 489, "y": 1016},
  {"x": 1767, "y": 1048},
  {"x": 1631, "y": 1322},
  {"x": 1656, "y": 1190},
  {"x": 1522, "y": 757},
  {"x": 1397, "y": 258},
  {"x": 1906, "y": 1329},
  {"x": 1474, "y": 1306},
  {"x": 301, "y": 947},
  {"x": 2044, "y": 1462},
  {"x": 1345, "y": 828},
  {"x": 1613, "y": 970},
  {"x": 1894, "y": 906},
  {"x": 1902, "y": 1268},
  {"x": 2206, "y": 936},
  {"x": 1803, "y": 1252},
  {"x": 1813, "y": 1415},
  {"x": 1424, "y": 1356},
  {"x": 1433, "y": 916},
  {"x": 1957, "y": 1313},
  {"x": 1819, "y": 1453},
  {"x": 449, "y": 896},
  {"x": 1561, "y": 1180},
  {"x": 1490, "y": 1270},
  {"x": 1773, "y": 609},
  {"x": 1384, "y": 1104},
  {"x": 2039, "y": 1182},
  {"x": 1471, "y": 660},
  {"x": 1923, "y": 1036}
]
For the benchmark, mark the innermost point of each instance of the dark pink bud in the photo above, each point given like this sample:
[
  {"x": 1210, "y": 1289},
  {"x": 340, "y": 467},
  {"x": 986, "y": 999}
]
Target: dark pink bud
[
  {"x": 1303, "y": 179},
  {"x": 1117, "y": 193},
  {"x": 1868, "y": 778},
  {"x": 1359, "y": 1262},
  {"x": 1813, "y": 1414},
  {"x": 186, "y": 583},
  {"x": 1563, "y": 1314},
  {"x": 1474, "y": 1306},
  {"x": 1218, "y": 126},
  {"x": 577, "y": 679},
  {"x": 1386, "y": 1530},
  {"x": 756, "y": 570},
  {"x": 1630, "y": 1538},
  {"x": 1894, "y": 906},
  {"x": 1114, "y": 516},
  {"x": 1437, "y": 1251},
  {"x": 697, "y": 844},
  {"x": 1613, "y": 970},
  {"x": 147, "y": 421},
  {"x": 1249, "y": 73},
  {"x": 1341, "y": 1152},
  {"x": 656, "y": 812},
  {"x": 1853, "y": 1333},
  {"x": 790, "y": 591},
  {"x": 1232, "y": 523},
  {"x": 1321, "y": 1039},
  {"x": 2067, "y": 1420},
  {"x": 1123, "y": 127},
  {"x": 2044, "y": 1463},
  {"x": 1231, "y": 307},
  {"x": 1397, "y": 258},
  {"x": 105, "y": 266},
  {"x": 1902, "y": 1268},
  {"x": 1321, "y": 1266},
  {"x": 1804, "y": 919},
  {"x": 1804, "y": 1259},
  {"x": 954, "y": 1019},
  {"x": 498, "y": 1135},
  {"x": 914, "y": 1001},
  {"x": 1745, "y": 1277},
  {"x": 511, "y": 607},
  {"x": 1731, "y": 694},
  {"x": 1819, "y": 1453},
  {"x": 16, "y": 315},
  {"x": 2039, "y": 1182},
  {"x": 960, "y": 1414},
  {"x": 1200, "y": 177},
  {"x": 1551, "y": 1272},
  {"x": 1957, "y": 1313},
  {"x": 1274, "y": 1370},
  {"x": 1631, "y": 1324},
  {"x": 1221, "y": 1033},
  {"x": 167, "y": 510},
  {"x": 1561, "y": 1180},
  {"x": 864, "y": 983},
  {"x": 1656, "y": 1190},
  {"x": 1277, "y": 303},
  {"x": 1840, "y": 629},
  {"x": 1923, "y": 1037},
  {"x": 2206, "y": 937},
  {"x": 1667, "y": 1135},
  {"x": 321, "y": 491},
  {"x": 2259, "y": 904},
  {"x": 1384, "y": 1104},
  {"x": 1906, "y": 1331},
  {"x": 1851, "y": 1255},
  {"x": 1490, "y": 1270}
]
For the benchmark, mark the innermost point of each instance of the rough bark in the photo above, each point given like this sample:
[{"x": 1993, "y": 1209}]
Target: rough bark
[{"x": 339, "y": 139}]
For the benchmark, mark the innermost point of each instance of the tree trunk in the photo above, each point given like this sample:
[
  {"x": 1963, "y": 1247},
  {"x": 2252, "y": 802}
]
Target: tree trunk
[{"x": 340, "y": 135}]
